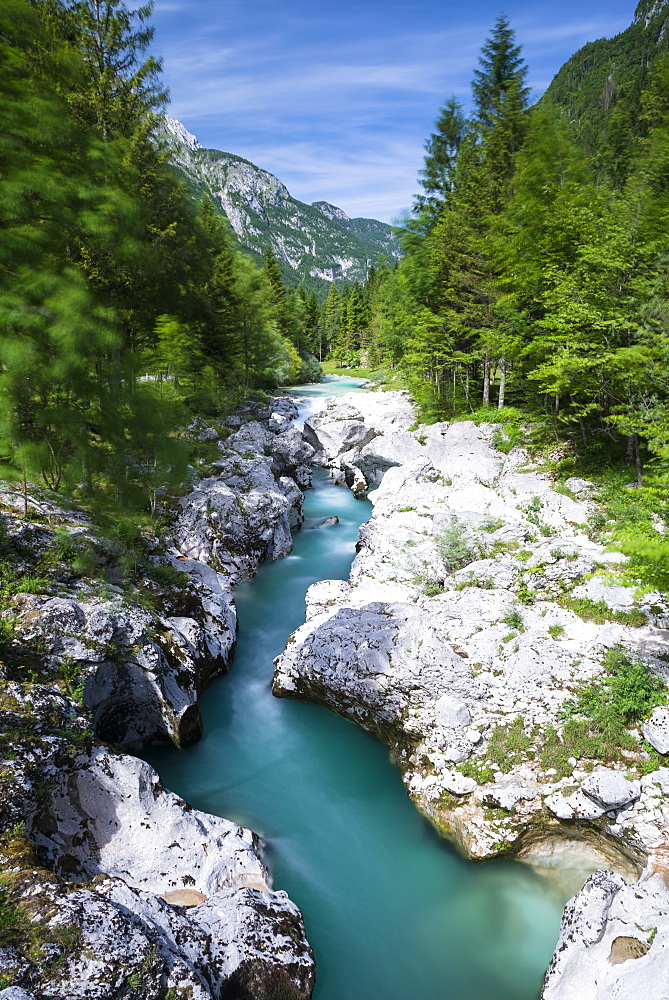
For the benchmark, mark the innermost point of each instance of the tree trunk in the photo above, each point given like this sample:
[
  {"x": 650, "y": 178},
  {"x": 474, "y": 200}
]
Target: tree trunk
[
  {"x": 629, "y": 456},
  {"x": 502, "y": 383},
  {"x": 584, "y": 433},
  {"x": 637, "y": 457},
  {"x": 486, "y": 381}
]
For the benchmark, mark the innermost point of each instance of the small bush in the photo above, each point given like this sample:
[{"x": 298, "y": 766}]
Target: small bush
[
  {"x": 514, "y": 619},
  {"x": 598, "y": 717},
  {"x": 479, "y": 770},
  {"x": 452, "y": 547}
]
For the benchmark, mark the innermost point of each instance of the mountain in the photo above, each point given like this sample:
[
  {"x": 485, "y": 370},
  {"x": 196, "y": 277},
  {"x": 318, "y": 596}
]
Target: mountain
[
  {"x": 600, "y": 86},
  {"x": 314, "y": 244}
]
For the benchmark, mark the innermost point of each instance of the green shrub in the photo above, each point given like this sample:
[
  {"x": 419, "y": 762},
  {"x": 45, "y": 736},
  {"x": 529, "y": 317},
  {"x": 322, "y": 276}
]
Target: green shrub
[
  {"x": 508, "y": 438},
  {"x": 452, "y": 547},
  {"x": 168, "y": 576},
  {"x": 479, "y": 770},
  {"x": 598, "y": 717},
  {"x": 514, "y": 619}
]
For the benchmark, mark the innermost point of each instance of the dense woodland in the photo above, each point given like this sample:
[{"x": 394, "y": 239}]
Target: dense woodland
[
  {"x": 124, "y": 307},
  {"x": 534, "y": 284}
]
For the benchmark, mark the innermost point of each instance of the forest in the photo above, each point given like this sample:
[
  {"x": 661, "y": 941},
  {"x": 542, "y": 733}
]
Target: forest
[
  {"x": 533, "y": 290},
  {"x": 125, "y": 308}
]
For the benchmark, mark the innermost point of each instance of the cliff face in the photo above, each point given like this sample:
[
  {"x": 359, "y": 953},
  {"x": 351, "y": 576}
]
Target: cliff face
[{"x": 313, "y": 243}]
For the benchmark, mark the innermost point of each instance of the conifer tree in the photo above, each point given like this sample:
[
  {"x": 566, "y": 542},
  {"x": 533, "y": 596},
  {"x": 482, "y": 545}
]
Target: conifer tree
[{"x": 440, "y": 153}]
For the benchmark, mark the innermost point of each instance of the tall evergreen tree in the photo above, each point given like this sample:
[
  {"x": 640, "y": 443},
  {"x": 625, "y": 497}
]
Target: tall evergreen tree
[{"x": 440, "y": 153}]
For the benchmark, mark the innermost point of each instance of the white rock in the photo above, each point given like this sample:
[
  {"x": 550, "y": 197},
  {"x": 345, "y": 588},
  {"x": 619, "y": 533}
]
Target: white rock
[
  {"x": 574, "y": 806},
  {"x": 507, "y": 795},
  {"x": 614, "y": 942},
  {"x": 451, "y": 712},
  {"x": 458, "y": 784},
  {"x": 656, "y": 730},
  {"x": 610, "y": 788},
  {"x": 107, "y": 813}
]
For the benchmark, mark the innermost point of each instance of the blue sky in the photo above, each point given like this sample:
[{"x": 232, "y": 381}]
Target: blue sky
[{"x": 337, "y": 99}]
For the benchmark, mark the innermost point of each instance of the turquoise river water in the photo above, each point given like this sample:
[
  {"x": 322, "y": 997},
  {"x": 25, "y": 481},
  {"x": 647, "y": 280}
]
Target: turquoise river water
[{"x": 391, "y": 910}]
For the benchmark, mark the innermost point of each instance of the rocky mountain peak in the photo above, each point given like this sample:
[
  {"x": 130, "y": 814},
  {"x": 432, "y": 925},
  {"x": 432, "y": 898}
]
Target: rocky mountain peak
[
  {"x": 181, "y": 133},
  {"x": 314, "y": 244},
  {"x": 330, "y": 211},
  {"x": 647, "y": 9}
]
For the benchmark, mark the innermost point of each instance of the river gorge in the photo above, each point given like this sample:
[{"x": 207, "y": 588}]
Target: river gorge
[
  {"x": 171, "y": 829},
  {"x": 391, "y": 910}
]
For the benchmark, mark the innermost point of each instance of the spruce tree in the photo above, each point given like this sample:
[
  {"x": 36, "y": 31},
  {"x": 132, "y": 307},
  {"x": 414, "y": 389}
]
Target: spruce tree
[
  {"x": 501, "y": 76},
  {"x": 440, "y": 153}
]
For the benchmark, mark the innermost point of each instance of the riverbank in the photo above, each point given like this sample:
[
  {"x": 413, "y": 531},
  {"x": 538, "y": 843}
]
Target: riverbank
[
  {"x": 390, "y": 910},
  {"x": 455, "y": 641},
  {"x": 111, "y": 884}
]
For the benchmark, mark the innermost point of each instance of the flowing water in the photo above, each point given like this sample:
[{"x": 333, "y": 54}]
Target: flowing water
[{"x": 392, "y": 912}]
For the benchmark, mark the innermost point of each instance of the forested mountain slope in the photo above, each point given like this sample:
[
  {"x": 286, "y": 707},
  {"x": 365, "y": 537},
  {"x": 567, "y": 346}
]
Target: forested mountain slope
[
  {"x": 313, "y": 243},
  {"x": 600, "y": 86}
]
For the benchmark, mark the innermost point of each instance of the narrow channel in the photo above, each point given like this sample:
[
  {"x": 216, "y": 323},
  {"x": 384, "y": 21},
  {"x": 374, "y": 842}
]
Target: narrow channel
[{"x": 391, "y": 910}]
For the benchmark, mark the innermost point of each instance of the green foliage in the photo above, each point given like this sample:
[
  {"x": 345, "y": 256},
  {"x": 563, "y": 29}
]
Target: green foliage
[
  {"x": 481, "y": 772},
  {"x": 12, "y": 918},
  {"x": 514, "y": 619},
  {"x": 505, "y": 440},
  {"x": 554, "y": 754},
  {"x": 508, "y": 745},
  {"x": 123, "y": 304},
  {"x": 598, "y": 717},
  {"x": 598, "y": 611},
  {"x": 452, "y": 546}
]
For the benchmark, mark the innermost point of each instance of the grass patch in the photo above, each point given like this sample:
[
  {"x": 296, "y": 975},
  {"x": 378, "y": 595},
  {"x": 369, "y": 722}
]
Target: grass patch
[
  {"x": 508, "y": 745},
  {"x": 479, "y": 770},
  {"x": 599, "y": 612},
  {"x": 13, "y": 920},
  {"x": 598, "y": 717}
]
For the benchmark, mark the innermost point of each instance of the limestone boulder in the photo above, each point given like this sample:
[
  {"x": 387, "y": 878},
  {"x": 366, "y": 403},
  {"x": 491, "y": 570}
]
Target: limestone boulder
[
  {"x": 610, "y": 788},
  {"x": 140, "y": 674},
  {"x": 656, "y": 730},
  {"x": 178, "y": 894},
  {"x": 234, "y": 530},
  {"x": 614, "y": 942},
  {"x": 390, "y": 668}
]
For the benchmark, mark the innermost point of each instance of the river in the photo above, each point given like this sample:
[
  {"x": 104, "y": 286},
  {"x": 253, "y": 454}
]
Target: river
[{"x": 391, "y": 910}]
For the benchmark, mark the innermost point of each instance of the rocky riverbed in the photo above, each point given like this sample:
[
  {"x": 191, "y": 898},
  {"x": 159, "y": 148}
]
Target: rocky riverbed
[
  {"x": 112, "y": 885},
  {"x": 457, "y": 642}
]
